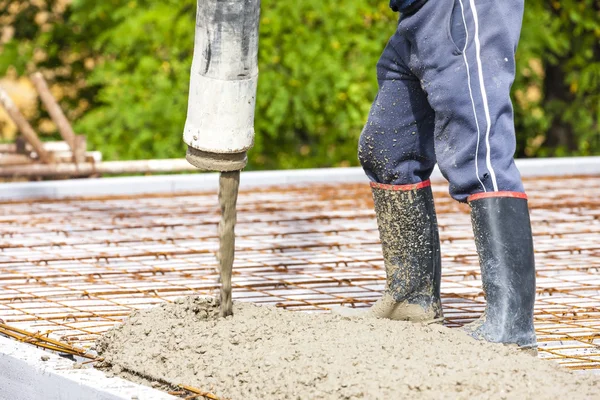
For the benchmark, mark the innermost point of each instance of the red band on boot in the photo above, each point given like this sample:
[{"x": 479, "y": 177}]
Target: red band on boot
[
  {"x": 402, "y": 188},
  {"x": 485, "y": 195}
]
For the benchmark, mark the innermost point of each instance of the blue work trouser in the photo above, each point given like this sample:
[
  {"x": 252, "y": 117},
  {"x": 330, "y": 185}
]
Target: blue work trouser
[{"x": 444, "y": 97}]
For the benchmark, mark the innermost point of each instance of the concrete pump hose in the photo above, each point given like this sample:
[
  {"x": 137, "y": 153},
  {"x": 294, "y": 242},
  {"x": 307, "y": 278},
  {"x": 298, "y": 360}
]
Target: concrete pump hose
[{"x": 219, "y": 129}]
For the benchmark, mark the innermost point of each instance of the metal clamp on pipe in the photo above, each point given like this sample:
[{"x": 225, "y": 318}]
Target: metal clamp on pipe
[{"x": 219, "y": 129}]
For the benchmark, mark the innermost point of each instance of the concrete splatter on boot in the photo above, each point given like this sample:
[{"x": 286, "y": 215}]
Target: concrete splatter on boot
[
  {"x": 411, "y": 249},
  {"x": 504, "y": 242}
]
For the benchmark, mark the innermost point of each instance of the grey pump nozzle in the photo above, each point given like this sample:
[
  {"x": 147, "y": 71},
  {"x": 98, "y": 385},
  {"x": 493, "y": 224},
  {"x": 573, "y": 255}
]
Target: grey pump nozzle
[
  {"x": 222, "y": 162},
  {"x": 219, "y": 128}
]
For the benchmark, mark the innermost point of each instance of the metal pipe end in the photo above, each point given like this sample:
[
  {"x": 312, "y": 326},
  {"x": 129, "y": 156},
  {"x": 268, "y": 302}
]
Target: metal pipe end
[{"x": 221, "y": 162}]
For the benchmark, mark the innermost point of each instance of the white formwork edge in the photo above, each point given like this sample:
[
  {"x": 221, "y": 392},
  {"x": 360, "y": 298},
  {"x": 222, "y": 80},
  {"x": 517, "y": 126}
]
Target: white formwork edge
[
  {"x": 165, "y": 184},
  {"x": 25, "y": 376}
]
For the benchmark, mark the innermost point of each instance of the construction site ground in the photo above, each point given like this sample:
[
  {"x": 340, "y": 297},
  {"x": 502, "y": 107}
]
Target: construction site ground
[{"x": 71, "y": 269}]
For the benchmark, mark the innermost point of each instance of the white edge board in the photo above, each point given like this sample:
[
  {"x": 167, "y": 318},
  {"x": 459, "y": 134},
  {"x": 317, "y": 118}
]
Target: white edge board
[
  {"x": 164, "y": 184},
  {"x": 25, "y": 376}
]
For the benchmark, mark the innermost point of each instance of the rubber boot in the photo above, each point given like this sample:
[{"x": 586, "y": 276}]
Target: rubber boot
[
  {"x": 505, "y": 246},
  {"x": 411, "y": 250}
]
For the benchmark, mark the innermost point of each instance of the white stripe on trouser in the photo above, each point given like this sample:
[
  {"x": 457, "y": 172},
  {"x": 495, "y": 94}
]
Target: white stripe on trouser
[
  {"x": 488, "y": 157},
  {"x": 462, "y": 9}
]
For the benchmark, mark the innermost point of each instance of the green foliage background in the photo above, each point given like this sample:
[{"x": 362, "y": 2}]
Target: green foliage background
[{"x": 126, "y": 66}]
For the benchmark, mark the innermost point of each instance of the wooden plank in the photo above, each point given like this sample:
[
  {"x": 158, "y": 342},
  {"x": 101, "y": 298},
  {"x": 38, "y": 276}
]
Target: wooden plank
[
  {"x": 14, "y": 159},
  {"x": 24, "y": 127},
  {"x": 51, "y": 147},
  {"x": 80, "y": 149},
  {"x": 21, "y": 145},
  {"x": 58, "y": 116},
  {"x": 87, "y": 169}
]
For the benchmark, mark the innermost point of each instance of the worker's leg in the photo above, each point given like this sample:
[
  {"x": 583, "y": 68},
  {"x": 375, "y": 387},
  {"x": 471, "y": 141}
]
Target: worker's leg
[
  {"x": 466, "y": 60},
  {"x": 396, "y": 146},
  {"x": 505, "y": 247},
  {"x": 396, "y": 151},
  {"x": 464, "y": 56}
]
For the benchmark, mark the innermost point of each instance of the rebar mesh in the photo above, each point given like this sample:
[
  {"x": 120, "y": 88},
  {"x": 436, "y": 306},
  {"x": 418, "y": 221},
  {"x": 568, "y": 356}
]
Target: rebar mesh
[{"x": 74, "y": 268}]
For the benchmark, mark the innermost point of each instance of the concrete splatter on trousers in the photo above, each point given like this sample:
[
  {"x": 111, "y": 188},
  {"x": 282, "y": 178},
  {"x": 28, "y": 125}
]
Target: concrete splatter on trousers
[{"x": 444, "y": 97}]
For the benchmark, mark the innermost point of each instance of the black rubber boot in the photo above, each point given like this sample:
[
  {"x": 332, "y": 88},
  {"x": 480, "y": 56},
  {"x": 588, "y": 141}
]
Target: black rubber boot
[
  {"x": 505, "y": 245},
  {"x": 411, "y": 250}
]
